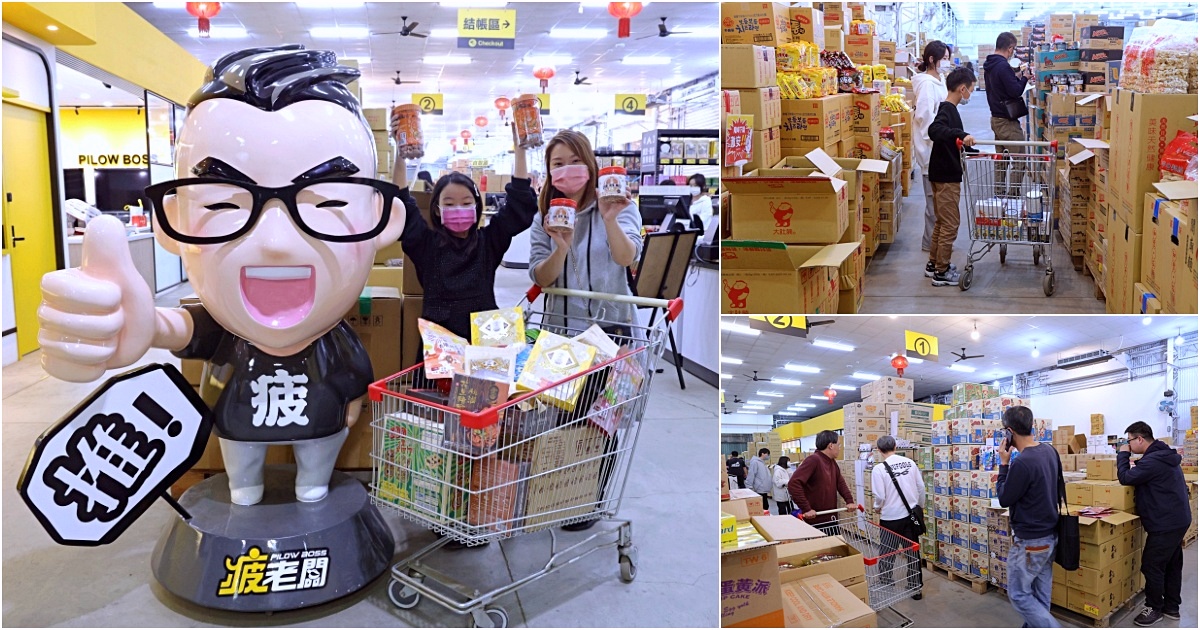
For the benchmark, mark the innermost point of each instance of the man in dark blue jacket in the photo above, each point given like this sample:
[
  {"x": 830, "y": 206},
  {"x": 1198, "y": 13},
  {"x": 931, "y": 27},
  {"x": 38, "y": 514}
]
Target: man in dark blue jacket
[
  {"x": 1003, "y": 85},
  {"x": 1161, "y": 496},
  {"x": 1029, "y": 489}
]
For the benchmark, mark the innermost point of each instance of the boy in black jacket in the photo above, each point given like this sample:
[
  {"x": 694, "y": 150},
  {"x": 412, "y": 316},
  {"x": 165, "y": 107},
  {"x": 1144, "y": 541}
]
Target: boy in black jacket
[
  {"x": 1161, "y": 495},
  {"x": 945, "y": 173}
]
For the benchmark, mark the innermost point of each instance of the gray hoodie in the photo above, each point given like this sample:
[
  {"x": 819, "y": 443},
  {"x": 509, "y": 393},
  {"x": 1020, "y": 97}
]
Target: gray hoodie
[
  {"x": 758, "y": 478},
  {"x": 589, "y": 267}
]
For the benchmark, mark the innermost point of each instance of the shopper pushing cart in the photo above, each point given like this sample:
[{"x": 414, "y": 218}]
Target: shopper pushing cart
[{"x": 550, "y": 457}]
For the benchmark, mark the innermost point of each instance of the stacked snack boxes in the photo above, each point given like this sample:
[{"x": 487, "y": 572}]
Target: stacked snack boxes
[
  {"x": 864, "y": 423},
  {"x": 1074, "y": 191},
  {"x": 1109, "y": 562},
  {"x": 1168, "y": 261},
  {"x": 1100, "y": 46},
  {"x": 999, "y": 540}
]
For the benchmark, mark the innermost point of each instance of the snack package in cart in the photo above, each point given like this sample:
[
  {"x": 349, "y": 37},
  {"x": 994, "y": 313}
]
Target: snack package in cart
[
  {"x": 624, "y": 380},
  {"x": 493, "y": 364},
  {"x": 595, "y": 337},
  {"x": 471, "y": 393},
  {"x": 444, "y": 351},
  {"x": 555, "y": 358},
  {"x": 499, "y": 328}
]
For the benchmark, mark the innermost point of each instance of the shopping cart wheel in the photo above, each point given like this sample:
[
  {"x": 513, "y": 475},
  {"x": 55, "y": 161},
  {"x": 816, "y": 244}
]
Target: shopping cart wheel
[
  {"x": 489, "y": 618},
  {"x": 1037, "y": 254},
  {"x": 1048, "y": 284},
  {"x": 1003, "y": 252},
  {"x": 964, "y": 281},
  {"x": 628, "y": 569},
  {"x": 402, "y": 595}
]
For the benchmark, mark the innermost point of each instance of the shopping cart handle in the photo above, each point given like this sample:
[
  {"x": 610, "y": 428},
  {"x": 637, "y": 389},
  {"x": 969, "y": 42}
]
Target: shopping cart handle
[
  {"x": 674, "y": 308},
  {"x": 533, "y": 293},
  {"x": 959, "y": 142}
]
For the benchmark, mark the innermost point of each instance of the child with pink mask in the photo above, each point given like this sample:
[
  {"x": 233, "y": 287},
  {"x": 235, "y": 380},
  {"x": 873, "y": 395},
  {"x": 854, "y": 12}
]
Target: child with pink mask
[
  {"x": 455, "y": 259},
  {"x": 595, "y": 255}
]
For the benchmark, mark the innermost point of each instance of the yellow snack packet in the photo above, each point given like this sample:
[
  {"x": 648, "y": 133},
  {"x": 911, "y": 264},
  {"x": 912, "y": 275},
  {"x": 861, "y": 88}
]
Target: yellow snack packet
[{"x": 499, "y": 328}]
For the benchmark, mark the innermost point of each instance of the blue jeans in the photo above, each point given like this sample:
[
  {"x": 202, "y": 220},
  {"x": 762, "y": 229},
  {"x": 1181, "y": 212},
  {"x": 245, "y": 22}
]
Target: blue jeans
[{"x": 1030, "y": 580}]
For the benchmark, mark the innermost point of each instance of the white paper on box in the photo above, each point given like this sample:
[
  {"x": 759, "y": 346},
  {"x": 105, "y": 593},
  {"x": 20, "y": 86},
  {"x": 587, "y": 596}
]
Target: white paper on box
[
  {"x": 823, "y": 162},
  {"x": 1087, "y": 100},
  {"x": 1089, "y": 143},
  {"x": 1081, "y": 156}
]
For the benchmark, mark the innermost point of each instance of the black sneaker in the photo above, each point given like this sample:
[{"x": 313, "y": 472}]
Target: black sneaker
[
  {"x": 930, "y": 269},
  {"x": 917, "y": 597},
  {"x": 950, "y": 278},
  {"x": 1149, "y": 617},
  {"x": 1171, "y": 614},
  {"x": 578, "y": 527}
]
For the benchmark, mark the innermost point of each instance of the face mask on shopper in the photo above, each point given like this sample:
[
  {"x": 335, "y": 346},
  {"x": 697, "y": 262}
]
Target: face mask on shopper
[
  {"x": 458, "y": 219},
  {"x": 966, "y": 98},
  {"x": 570, "y": 179},
  {"x": 945, "y": 67}
]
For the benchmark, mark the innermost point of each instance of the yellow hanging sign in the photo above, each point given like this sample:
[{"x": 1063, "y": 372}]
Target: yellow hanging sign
[
  {"x": 544, "y": 104},
  {"x": 487, "y": 28},
  {"x": 920, "y": 345},
  {"x": 429, "y": 103},
  {"x": 631, "y": 104},
  {"x": 794, "y": 325}
]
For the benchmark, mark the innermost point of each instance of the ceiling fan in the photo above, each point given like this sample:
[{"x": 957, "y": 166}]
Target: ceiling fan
[
  {"x": 755, "y": 377},
  {"x": 663, "y": 32},
  {"x": 406, "y": 29},
  {"x": 399, "y": 81},
  {"x": 579, "y": 81},
  {"x": 963, "y": 356}
]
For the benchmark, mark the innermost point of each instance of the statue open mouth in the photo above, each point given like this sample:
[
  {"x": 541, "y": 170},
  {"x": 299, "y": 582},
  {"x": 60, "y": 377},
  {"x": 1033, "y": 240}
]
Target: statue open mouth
[{"x": 279, "y": 297}]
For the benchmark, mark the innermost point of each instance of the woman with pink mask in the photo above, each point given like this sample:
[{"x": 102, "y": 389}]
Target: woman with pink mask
[
  {"x": 455, "y": 259},
  {"x": 595, "y": 255}
]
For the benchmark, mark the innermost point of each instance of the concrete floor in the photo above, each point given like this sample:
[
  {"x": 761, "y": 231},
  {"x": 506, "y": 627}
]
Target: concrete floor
[
  {"x": 946, "y": 604},
  {"x": 895, "y": 277},
  {"x": 674, "y": 528}
]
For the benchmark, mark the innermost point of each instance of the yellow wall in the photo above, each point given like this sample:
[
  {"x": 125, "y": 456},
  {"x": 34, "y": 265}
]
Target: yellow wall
[
  {"x": 96, "y": 132},
  {"x": 125, "y": 44},
  {"x": 832, "y": 421}
]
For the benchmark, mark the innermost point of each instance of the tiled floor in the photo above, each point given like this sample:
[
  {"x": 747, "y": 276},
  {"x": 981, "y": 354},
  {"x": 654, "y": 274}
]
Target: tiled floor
[{"x": 669, "y": 503}]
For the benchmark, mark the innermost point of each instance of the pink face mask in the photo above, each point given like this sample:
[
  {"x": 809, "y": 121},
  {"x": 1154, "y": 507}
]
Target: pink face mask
[
  {"x": 570, "y": 179},
  {"x": 458, "y": 219}
]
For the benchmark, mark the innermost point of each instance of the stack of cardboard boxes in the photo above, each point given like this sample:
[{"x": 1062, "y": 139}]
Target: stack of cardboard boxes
[
  {"x": 1075, "y": 192},
  {"x": 1101, "y": 48},
  {"x": 377, "y": 120},
  {"x": 1110, "y": 558},
  {"x": 750, "y": 68}
]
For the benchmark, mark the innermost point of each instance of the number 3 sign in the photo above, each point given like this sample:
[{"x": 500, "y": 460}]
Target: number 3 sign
[{"x": 99, "y": 468}]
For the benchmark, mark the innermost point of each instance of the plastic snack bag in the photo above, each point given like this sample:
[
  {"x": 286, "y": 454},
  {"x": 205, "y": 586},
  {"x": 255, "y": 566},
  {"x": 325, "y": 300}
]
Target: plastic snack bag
[
  {"x": 493, "y": 364},
  {"x": 605, "y": 347},
  {"x": 444, "y": 351},
  {"x": 624, "y": 379},
  {"x": 499, "y": 328}
]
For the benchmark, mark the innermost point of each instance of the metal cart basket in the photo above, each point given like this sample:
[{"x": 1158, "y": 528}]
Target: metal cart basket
[
  {"x": 1010, "y": 199},
  {"x": 550, "y": 457},
  {"x": 888, "y": 558}
]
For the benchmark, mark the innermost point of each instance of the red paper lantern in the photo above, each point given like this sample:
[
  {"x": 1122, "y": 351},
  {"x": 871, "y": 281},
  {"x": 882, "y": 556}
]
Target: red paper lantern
[
  {"x": 623, "y": 11},
  {"x": 202, "y": 11},
  {"x": 466, "y": 134},
  {"x": 830, "y": 394},
  {"x": 502, "y": 104},
  {"x": 481, "y": 121},
  {"x": 899, "y": 362},
  {"x": 543, "y": 75}
]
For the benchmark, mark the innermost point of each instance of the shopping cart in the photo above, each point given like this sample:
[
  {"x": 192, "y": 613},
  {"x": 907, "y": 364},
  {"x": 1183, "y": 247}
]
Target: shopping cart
[
  {"x": 1010, "y": 200},
  {"x": 547, "y": 458},
  {"x": 888, "y": 558}
]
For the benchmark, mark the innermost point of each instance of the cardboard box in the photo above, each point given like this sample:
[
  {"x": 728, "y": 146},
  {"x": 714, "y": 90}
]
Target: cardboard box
[
  {"x": 766, "y": 149},
  {"x": 835, "y": 36},
  {"x": 1112, "y": 494},
  {"x": 383, "y": 276},
  {"x": 848, "y": 570},
  {"x": 1095, "y": 580},
  {"x": 1124, "y": 264},
  {"x": 887, "y": 51},
  {"x": 784, "y": 528},
  {"x": 821, "y": 602},
  {"x": 764, "y": 104},
  {"x": 1100, "y": 530},
  {"x": 1091, "y": 605},
  {"x": 1102, "y": 469},
  {"x": 836, "y": 15},
  {"x": 750, "y": 588},
  {"x": 813, "y": 122},
  {"x": 791, "y": 210},
  {"x": 1102, "y": 32},
  {"x": 1169, "y": 245},
  {"x": 1142, "y": 125},
  {"x": 761, "y": 23},
  {"x": 862, "y": 49},
  {"x": 1097, "y": 424},
  {"x": 747, "y": 66},
  {"x": 410, "y": 334},
  {"x": 766, "y": 277},
  {"x": 865, "y": 114},
  {"x": 808, "y": 25},
  {"x": 376, "y": 320},
  {"x": 866, "y": 148}
]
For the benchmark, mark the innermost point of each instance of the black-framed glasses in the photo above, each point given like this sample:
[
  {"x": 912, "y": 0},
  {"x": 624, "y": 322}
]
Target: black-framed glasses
[{"x": 217, "y": 210}]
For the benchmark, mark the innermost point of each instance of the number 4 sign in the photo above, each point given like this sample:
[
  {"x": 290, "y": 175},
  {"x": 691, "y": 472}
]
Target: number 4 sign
[{"x": 99, "y": 468}]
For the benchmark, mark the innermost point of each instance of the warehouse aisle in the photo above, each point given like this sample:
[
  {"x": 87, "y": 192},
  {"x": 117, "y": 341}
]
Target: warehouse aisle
[
  {"x": 896, "y": 281},
  {"x": 113, "y": 584}
]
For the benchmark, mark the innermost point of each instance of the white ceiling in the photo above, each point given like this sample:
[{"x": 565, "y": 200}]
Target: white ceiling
[
  {"x": 471, "y": 89},
  {"x": 1005, "y": 341},
  {"x": 74, "y": 88},
  {"x": 1022, "y": 12}
]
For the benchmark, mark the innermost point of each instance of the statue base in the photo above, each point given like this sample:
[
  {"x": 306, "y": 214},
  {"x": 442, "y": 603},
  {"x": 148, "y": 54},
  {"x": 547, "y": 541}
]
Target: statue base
[{"x": 279, "y": 554}]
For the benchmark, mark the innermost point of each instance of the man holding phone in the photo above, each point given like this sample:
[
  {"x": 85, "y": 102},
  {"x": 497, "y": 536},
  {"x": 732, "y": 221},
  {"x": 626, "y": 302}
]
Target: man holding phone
[
  {"x": 1160, "y": 493},
  {"x": 1029, "y": 488}
]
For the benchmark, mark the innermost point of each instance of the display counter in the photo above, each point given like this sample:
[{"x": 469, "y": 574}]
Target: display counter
[
  {"x": 696, "y": 332},
  {"x": 141, "y": 248}
]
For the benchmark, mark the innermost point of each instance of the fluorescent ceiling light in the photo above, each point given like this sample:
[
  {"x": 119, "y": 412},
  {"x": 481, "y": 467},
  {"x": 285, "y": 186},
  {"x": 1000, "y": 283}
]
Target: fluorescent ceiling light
[
  {"x": 807, "y": 369},
  {"x": 738, "y": 328},
  {"x": 787, "y": 413},
  {"x": 769, "y": 394},
  {"x": 799, "y": 406},
  {"x": 815, "y": 397},
  {"x": 578, "y": 33},
  {"x": 51, "y": 27},
  {"x": 646, "y": 60},
  {"x": 339, "y": 32},
  {"x": 108, "y": 103},
  {"x": 701, "y": 31},
  {"x": 362, "y": 61},
  {"x": 328, "y": 4},
  {"x": 962, "y": 368},
  {"x": 474, "y": 4},
  {"x": 84, "y": 95},
  {"x": 758, "y": 402},
  {"x": 725, "y": 359},
  {"x": 170, "y": 5},
  {"x": 830, "y": 345},
  {"x": 447, "y": 60},
  {"x": 865, "y": 376},
  {"x": 443, "y": 33},
  {"x": 547, "y": 60},
  {"x": 746, "y": 412},
  {"x": 845, "y": 388},
  {"x": 993, "y": 16},
  {"x": 724, "y": 376},
  {"x": 221, "y": 32},
  {"x": 786, "y": 381}
]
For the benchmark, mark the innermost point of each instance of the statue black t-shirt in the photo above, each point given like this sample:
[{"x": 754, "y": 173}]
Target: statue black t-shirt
[{"x": 279, "y": 399}]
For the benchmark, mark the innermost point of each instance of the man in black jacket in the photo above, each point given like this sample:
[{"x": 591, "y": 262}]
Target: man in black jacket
[
  {"x": 1003, "y": 85},
  {"x": 1161, "y": 496}
]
